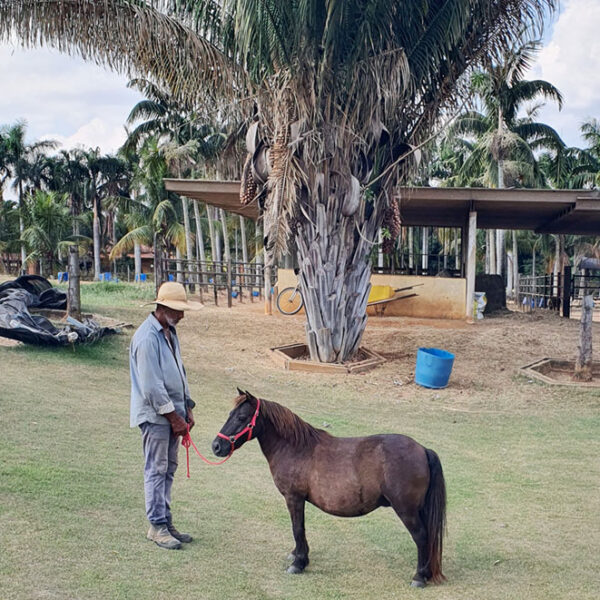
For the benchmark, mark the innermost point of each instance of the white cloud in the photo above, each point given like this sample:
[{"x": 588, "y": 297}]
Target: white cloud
[
  {"x": 97, "y": 133},
  {"x": 64, "y": 98},
  {"x": 570, "y": 61}
]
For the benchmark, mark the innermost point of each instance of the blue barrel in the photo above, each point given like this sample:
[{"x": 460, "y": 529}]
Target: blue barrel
[{"x": 433, "y": 367}]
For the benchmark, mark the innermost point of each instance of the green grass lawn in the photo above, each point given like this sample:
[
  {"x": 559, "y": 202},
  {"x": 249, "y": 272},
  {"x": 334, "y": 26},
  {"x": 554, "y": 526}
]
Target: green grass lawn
[{"x": 523, "y": 488}]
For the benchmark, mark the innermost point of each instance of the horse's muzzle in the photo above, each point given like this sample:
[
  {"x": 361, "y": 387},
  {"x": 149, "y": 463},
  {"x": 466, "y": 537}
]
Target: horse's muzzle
[{"x": 219, "y": 448}]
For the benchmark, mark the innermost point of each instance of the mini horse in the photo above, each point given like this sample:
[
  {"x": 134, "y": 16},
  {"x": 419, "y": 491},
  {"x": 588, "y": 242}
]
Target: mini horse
[{"x": 346, "y": 477}]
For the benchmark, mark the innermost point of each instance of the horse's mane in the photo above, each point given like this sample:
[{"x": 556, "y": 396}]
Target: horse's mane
[{"x": 288, "y": 424}]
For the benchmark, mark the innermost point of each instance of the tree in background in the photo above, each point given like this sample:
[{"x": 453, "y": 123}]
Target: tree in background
[
  {"x": 17, "y": 160},
  {"x": 48, "y": 227}
]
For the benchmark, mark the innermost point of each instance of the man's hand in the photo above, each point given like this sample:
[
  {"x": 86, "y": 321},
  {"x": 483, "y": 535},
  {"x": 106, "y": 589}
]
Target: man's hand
[
  {"x": 178, "y": 424},
  {"x": 190, "y": 418}
]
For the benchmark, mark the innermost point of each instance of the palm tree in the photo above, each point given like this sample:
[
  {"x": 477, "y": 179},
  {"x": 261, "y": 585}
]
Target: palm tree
[
  {"x": 341, "y": 91},
  {"x": 504, "y": 151},
  {"x": 152, "y": 212},
  {"x": 17, "y": 160},
  {"x": 68, "y": 175},
  {"x": 48, "y": 227}
]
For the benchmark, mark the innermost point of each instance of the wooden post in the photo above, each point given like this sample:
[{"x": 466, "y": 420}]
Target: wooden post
[
  {"x": 583, "y": 364},
  {"x": 229, "y": 287},
  {"x": 215, "y": 283},
  {"x": 471, "y": 263},
  {"x": 73, "y": 293},
  {"x": 267, "y": 273},
  {"x": 566, "y": 292}
]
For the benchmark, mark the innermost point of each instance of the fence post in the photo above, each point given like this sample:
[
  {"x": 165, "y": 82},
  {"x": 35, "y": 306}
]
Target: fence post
[
  {"x": 566, "y": 292},
  {"x": 229, "y": 290}
]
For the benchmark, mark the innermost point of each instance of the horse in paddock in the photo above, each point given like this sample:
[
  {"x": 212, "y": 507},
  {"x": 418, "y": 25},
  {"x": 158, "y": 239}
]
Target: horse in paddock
[{"x": 347, "y": 477}]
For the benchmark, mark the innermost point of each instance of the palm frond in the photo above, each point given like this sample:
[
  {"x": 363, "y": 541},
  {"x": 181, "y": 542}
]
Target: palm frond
[{"x": 131, "y": 37}]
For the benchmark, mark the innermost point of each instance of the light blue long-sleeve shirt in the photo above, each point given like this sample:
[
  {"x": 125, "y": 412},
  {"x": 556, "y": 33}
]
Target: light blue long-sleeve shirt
[{"x": 158, "y": 379}]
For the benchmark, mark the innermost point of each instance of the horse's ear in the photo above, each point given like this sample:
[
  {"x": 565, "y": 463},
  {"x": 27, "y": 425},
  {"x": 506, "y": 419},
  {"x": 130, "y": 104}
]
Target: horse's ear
[
  {"x": 249, "y": 396},
  {"x": 240, "y": 392}
]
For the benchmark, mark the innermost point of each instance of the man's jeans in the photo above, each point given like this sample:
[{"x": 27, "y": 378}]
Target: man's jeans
[{"x": 160, "y": 453}]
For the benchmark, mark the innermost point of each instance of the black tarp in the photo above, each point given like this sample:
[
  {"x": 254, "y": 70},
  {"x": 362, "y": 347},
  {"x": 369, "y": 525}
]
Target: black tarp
[{"x": 33, "y": 291}]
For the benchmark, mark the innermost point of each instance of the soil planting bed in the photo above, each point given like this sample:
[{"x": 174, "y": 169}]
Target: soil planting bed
[
  {"x": 296, "y": 357},
  {"x": 560, "y": 372}
]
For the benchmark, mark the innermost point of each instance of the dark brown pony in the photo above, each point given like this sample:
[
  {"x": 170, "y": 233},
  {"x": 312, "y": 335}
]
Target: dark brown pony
[{"x": 346, "y": 477}]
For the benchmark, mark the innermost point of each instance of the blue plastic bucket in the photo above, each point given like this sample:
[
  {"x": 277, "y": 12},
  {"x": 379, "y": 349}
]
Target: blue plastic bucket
[{"x": 433, "y": 367}]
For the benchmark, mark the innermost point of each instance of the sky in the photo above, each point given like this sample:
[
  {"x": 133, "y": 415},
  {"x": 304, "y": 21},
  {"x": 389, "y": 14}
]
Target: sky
[{"x": 78, "y": 103}]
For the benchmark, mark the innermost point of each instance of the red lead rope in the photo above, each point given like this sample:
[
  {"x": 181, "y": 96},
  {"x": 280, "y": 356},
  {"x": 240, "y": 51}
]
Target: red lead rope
[{"x": 186, "y": 441}]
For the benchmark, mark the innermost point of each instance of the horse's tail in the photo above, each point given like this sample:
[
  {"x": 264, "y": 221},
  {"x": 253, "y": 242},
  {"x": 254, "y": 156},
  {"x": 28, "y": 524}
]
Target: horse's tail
[{"x": 433, "y": 514}]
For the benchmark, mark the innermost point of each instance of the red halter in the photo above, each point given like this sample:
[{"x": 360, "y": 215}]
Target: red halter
[
  {"x": 186, "y": 441},
  {"x": 232, "y": 439}
]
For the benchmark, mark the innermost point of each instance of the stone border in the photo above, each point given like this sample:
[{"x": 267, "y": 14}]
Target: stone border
[
  {"x": 535, "y": 370},
  {"x": 288, "y": 358}
]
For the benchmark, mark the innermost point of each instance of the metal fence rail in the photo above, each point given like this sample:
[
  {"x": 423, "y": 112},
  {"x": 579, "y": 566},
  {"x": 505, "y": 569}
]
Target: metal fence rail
[
  {"x": 238, "y": 279},
  {"x": 545, "y": 291}
]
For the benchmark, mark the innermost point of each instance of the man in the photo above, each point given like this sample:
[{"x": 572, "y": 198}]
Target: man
[{"x": 161, "y": 406}]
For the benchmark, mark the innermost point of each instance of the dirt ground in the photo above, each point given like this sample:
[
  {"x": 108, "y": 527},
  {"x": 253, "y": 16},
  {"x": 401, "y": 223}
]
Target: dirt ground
[{"x": 488, "y": 353}]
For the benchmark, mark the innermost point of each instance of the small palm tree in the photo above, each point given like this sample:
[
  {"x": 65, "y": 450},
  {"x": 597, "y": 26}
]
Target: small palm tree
[{"x": 48, "y": 227}]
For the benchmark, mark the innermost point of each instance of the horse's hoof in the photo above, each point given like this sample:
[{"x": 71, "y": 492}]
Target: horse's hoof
[
  {"x": 417, "y": 583},
  {"x": 293, "y": 570}
]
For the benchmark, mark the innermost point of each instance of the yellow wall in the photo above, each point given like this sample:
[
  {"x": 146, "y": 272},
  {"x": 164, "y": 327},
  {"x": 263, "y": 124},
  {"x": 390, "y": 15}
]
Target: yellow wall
[{"x": 438, "y": 297}]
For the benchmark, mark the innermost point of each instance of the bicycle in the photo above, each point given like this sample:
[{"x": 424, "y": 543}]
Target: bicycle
[{"x": 289, "y": 300}]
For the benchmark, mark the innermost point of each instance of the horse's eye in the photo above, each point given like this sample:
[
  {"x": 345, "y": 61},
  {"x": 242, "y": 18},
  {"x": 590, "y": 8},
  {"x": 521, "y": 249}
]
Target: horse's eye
[{"x": 241, "y": 418}]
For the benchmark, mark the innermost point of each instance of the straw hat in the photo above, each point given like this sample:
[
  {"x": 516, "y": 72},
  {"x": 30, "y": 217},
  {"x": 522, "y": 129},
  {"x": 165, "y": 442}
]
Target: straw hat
[{"x": 172, "y": 295}]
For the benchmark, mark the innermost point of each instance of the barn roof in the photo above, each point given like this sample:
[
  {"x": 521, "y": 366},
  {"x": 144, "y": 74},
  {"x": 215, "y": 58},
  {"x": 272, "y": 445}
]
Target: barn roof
[{"x": 543, "y": 211}]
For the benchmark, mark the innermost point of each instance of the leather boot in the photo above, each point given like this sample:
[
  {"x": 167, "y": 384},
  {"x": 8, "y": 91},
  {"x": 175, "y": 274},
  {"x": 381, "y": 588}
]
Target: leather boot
[
  {"x": 160, "y": 535},
  {"x": 186, "y": 538}
]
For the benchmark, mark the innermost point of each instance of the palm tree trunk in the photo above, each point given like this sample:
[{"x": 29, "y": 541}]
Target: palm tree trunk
[
  {"x": 189, "y": 249},
  {"x": 500, "y": 252},
  {"x": 509, "y": 273},
  {"x": 212, "y": 233},
  {"x": 137, "y": 261},
  {"x": 218, "y": 236},
  {"x": 335, "y": 276},
  {"x": 456, "y": 246},
  {"x": 22, "y": 227},
  {"x": 96, "y": 233},
  {"x": 186, "y": 227},
  {"x": 179, "y": 258},
  {"x": 227, "y": 252},
  {"x": 244, "y": 244},
  {"x": 558, "y": 253},
  {"x": 200, "y": 253},
  {"x": 492, "y": 250}
]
